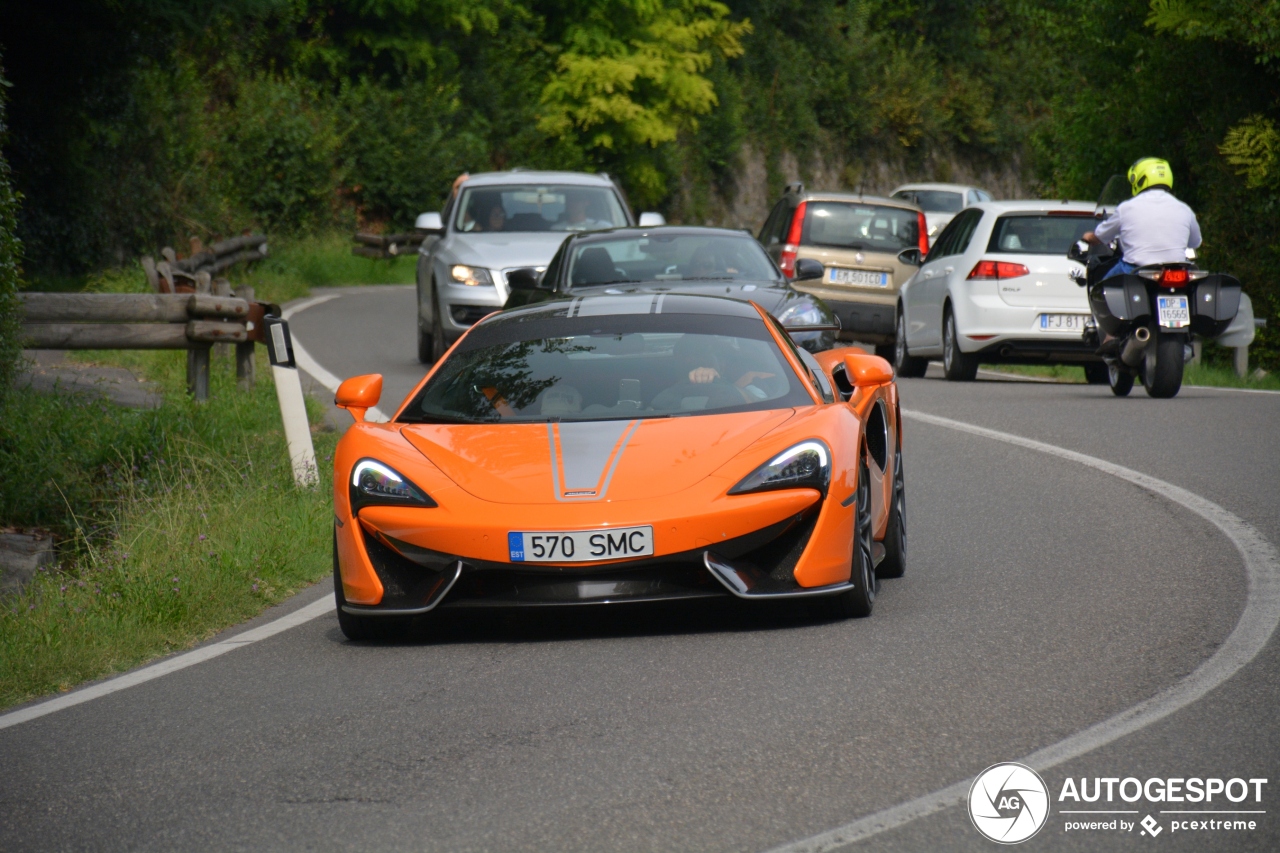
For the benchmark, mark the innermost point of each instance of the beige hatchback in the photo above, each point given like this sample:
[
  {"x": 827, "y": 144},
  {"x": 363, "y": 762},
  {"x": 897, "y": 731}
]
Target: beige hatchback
[{"x": 868, "y": 245}]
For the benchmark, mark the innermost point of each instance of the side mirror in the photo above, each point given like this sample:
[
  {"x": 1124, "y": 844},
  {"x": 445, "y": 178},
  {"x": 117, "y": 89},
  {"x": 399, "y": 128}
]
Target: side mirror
[
  {"x": 652, "y": 220},
  {"x": 808, "y": 269},
  {"x": 359, "y": 394},
  {"x": 429, "y": 222},
  {"x": 866, "y": 371},
  {"x": 525, "y": 278},
  {"x": 911, "y": 257}
]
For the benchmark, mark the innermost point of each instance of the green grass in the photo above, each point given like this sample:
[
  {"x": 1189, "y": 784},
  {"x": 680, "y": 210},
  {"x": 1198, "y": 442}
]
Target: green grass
[
  {"x": 294, "y": 266},
  {"x": 178, "y": 523},
  {"x": 1209, "y": 375}
]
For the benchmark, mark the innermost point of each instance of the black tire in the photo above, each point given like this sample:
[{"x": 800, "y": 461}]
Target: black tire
[
  {"x": 362, "y": 628},
  {"x": 1120, "y": 380},
  {"x": 438, "y": 343},
  {"x": 958, "y": 366},
  {"x": 1162, "y": 372},
  {"x": 906, "y": 365},
  {"x": 887, "y": 352},
  {"x": 424, "y": 344},
  {"x": 858, "y": 601},
  {"x": 1095, "y": 373},
  {"x": 894, "y": 564}
]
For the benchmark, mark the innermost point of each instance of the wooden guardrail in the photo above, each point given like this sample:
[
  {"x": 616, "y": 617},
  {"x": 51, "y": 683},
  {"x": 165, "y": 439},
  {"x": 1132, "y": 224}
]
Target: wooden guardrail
[
  {"x": 174, "y": 275},
  {"x": 194, "y": 322},
  {"x": 387, "y": 245}
]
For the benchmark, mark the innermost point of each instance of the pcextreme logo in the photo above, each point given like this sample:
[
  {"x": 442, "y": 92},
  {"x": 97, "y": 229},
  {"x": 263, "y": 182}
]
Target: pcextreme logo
[{"x": 1009, "y": 803}]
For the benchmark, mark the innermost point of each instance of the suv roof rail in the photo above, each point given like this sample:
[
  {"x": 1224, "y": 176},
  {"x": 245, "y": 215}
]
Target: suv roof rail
[{"x": 796, "y": 187}]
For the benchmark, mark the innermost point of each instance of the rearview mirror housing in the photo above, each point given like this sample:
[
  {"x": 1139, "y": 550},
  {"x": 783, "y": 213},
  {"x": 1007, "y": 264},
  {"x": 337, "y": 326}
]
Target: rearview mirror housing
[
  {"x": 359, "y": 394},
  {"x": 429, "y": 222},
  {"x": 652, "y": 220},
  {"x": 866, "y": 371},
  {"x": 808, "y": 269},
  {"x": 525, "y": 278}
]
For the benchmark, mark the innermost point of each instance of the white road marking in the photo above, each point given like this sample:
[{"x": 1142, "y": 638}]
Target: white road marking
[
  {"x": 313, "y": 367},
  {"x": 1257, "y": 623},
  {"x": 172, "y": 664}
]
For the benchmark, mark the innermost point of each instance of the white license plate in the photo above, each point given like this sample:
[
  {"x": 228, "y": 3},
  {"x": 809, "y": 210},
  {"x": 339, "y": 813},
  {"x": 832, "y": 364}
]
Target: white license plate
[
  {"x": 1173, "y": 310},
  {"x": 859, "y": 277},
  {"x": 580, "y": 546},
  {"x": 1062, "y": 322}
]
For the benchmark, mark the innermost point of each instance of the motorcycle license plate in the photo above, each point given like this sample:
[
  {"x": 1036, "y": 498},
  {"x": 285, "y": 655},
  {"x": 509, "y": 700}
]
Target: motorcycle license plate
[
  {"x": 580, "y": 546},
  {"x": 1062, "y": 322},
  {"x": 1173, "y": 311}
]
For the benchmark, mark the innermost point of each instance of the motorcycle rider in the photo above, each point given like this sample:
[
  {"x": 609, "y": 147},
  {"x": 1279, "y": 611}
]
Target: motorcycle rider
[{"x": 1154, "y": 227}]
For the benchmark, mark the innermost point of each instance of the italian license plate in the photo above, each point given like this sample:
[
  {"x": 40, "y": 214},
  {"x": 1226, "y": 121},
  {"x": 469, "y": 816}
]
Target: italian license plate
[
  {"x": 859, "y": 277},
  {"x": 1062, "y": 322},
  {"x": 580, "y": 546},
  {"x": 1173, "y": 311}
]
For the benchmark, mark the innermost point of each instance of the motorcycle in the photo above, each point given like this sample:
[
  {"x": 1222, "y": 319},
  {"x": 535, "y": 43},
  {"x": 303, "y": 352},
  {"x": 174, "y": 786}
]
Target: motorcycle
[{"x": 1149, "y": 316}]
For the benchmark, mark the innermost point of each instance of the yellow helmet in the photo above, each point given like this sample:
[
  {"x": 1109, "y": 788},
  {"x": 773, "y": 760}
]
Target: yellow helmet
[{"x": 1147, "y": 172}]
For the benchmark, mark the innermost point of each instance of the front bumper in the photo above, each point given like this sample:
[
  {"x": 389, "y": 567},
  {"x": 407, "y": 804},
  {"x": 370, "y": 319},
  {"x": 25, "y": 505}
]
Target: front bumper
[{"x": 415, "y": 580}]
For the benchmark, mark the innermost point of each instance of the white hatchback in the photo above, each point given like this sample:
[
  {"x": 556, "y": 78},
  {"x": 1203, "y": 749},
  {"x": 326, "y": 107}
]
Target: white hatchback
[{"x": 996, "y": 287}]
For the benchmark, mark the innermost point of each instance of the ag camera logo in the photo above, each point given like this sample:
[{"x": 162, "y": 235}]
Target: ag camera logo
[{"x": 1008, "y": 803}]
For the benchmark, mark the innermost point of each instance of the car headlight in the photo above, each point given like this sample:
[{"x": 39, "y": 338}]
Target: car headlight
[
  {"x": 805, "y": 466},
  {"x": 464, "y": 274},
  {"x": 802, "y": 313},
  {"x": 375, "y": 483}
]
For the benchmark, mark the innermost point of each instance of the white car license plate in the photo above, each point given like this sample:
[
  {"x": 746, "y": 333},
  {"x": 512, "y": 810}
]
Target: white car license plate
[
  {"x": 580, "y": 546},
  {"x": 860, "y": 277},
  {"x": 1062, "y": 322},
  {"x": 1173, "y": 310}
]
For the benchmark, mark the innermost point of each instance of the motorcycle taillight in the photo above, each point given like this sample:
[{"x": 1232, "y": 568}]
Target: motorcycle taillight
[{"x": 1173, "y": 277}]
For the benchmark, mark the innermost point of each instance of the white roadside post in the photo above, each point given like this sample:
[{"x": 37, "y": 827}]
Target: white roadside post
[{"x": 293, "y": 409}]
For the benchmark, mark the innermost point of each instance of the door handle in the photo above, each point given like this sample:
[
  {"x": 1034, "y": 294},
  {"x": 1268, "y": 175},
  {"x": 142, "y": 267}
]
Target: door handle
[{"x": 949, "y": 270}]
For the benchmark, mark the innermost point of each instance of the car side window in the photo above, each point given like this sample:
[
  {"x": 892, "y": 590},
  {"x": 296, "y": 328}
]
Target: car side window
[
  {"x": 973, "y": 197},
  {"x": 770, "y": 226},
  {"x": 783, "y": 224},
  {"x": 942, "y": 246},
  {"x": 553, "y": 268},
  {"x": 969, "y": 223}
]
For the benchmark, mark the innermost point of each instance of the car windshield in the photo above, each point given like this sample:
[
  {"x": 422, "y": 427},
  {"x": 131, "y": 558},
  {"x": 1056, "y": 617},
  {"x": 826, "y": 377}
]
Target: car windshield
[
  {"x": 608, "y": 368},
  {"x": 530, "y": 207},
  {"x": 661, "y": 256},
  {"x": 870, "y": 227},
  {"x": 934, "y": 201},
  {"x": 1039, "y": 234}
]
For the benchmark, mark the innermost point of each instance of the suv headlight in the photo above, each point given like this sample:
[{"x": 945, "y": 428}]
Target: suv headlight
[
  {"x": 805, "y": 466},
  {"x": 464, "y": 274},
  {"x": 373, "y": 483}
]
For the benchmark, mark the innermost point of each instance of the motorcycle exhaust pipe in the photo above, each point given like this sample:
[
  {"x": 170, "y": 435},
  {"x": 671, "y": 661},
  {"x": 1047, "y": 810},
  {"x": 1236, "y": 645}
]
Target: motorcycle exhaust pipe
[{"x": 1135, "y": 346}]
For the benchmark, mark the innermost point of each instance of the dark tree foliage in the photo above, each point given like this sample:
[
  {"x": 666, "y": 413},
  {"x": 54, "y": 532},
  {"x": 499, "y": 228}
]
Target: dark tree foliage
[
  {"x": 10, "y": 261},
  {"x": 140, "y": 122}
]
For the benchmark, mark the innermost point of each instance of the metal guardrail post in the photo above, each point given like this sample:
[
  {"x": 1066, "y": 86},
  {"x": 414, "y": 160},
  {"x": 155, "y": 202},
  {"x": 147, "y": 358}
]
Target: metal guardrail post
[{"x": 1240, "y": 360}]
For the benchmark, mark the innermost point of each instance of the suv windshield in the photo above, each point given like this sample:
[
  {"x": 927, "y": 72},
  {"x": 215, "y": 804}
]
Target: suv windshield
[
  {"x": 538, "y": 208},
  {"x": 661, "y": 256},
  {"x": 933, "y": 201},
  {"x": 870, "y": 227},
  {"x": 608, "y": 368},
  {"x": 1039, "y": 234}
]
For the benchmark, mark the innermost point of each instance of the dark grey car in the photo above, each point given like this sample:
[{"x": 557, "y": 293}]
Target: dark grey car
[{"x": 679, "y": 259}]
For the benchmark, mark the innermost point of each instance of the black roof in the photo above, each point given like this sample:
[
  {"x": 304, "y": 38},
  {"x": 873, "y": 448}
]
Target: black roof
[{"x": 637, "y": 231}]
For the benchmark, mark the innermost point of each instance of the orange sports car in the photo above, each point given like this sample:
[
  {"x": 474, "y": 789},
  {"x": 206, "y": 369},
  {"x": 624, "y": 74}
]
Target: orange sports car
[{"x": 621, "y": 448}]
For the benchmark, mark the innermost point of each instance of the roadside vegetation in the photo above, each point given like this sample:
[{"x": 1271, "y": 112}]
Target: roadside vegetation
[
  {"x": 175, "y": 522},
  {"x": 1203, "y": 374}
]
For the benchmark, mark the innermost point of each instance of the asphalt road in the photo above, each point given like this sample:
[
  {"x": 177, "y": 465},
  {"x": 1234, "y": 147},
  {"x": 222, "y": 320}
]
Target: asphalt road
[{"x": 1043, "y": 596}]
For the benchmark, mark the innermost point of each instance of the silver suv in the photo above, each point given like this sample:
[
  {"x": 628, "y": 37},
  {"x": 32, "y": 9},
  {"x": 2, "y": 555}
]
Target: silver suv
[{"x": 499, "y": 222}]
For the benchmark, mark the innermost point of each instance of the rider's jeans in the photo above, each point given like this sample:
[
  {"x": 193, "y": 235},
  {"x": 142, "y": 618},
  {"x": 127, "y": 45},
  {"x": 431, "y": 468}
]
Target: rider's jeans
[{"x": 1122, "y": 267}]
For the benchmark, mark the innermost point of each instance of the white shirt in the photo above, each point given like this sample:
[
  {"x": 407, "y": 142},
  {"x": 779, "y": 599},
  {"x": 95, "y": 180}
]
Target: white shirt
[{"x": 1153, "y": 227}]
